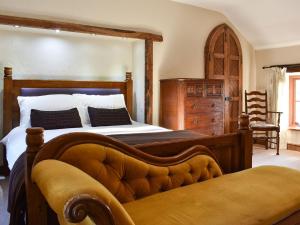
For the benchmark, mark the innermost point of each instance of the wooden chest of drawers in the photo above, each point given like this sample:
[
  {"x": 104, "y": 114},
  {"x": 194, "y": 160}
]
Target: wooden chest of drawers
[{"x": 192, "y": 104}]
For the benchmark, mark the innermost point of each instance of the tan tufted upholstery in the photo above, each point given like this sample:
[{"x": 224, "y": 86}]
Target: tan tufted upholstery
[
  {"x": 63, "y": 182},
  {"x": 129, "y": 179},
  {"x": 249, "y": 197}
]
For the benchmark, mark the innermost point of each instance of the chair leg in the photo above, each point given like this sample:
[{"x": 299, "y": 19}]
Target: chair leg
[
  {"x": 277, "y": 142},
  {"x": 267, "y": 140}
]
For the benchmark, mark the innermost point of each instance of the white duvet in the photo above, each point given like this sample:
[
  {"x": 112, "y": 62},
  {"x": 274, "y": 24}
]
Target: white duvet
[{"x": 15, "y": 140}]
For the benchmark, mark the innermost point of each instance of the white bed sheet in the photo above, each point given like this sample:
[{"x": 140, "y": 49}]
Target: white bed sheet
[{"x": 16, "y": 145}]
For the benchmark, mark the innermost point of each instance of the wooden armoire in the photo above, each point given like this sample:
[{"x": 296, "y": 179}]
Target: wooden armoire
[
  {"x": 192, "y": 104},
  {"x": 223, "y": 61},
  {"x": 210, "y": 106}
]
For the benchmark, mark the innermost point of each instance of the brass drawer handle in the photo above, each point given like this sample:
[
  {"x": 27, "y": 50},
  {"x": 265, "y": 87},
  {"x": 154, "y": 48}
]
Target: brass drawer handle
[
  {"x": 213, "y": 105},
  {"x": 213, "y": 120}
]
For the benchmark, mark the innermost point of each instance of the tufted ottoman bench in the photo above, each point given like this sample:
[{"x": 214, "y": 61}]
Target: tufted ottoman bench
[{"x": 106, "y": 186}]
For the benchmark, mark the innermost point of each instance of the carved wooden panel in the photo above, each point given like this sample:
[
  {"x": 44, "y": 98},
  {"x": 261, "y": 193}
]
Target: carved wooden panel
[
  {"x": 223, "y": 60},
  {"x": 219, "y": 66},
  {"x": 234, "y": 67},
  {"x": 234, "y": 88},
  {"x": 214, "y": 90},
  {"x": 234, "y": 50},
  {"x": 195, "y": 90},
  {"x": 219, "y": 46}
]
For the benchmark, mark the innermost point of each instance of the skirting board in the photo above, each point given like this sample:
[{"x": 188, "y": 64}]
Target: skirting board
[{"x": 293, "y": 147}]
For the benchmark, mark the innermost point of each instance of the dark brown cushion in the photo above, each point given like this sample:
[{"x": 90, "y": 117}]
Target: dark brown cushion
[
  {"x": 108, "y": 117},
  {"x": 50, "y": 120}
]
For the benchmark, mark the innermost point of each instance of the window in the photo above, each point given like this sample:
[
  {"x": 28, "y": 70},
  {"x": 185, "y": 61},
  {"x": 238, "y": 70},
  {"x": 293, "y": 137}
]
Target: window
[{"x": 295, "y": 101}]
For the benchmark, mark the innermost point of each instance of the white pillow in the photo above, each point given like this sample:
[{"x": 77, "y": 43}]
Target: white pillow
[
  {"x": 98, "y": 101},
  {"x": 45, "y": 102}
]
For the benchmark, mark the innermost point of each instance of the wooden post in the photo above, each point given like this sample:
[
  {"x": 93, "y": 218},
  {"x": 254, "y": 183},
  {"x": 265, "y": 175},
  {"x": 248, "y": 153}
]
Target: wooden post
[
  {"x": 129, "y": 92},
  {"x": 148, "y": 81},
  {"x": 7, "y": 101},
  {"x": 36, "y": 205},
  {"x": 7, "y": 115},
  {"x": 246, "y": 141}
]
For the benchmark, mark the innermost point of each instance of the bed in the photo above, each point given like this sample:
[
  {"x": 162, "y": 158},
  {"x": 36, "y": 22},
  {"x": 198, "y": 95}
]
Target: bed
[
  {"x": 233, "y": 151},
  {"x": 228, "y": 149}
]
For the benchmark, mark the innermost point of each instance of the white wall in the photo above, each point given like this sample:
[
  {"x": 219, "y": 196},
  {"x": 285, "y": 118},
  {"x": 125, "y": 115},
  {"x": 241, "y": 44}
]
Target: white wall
[
  {"x": 277, "y": 56},
  {"x": 139, "y": 80},
  {"x": 55, "y": 56},
  {"x": 184, "y": 28},
  {"x": 61, "y": 56}
]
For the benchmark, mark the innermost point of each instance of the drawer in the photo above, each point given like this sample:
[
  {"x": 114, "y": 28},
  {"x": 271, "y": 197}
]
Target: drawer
[
  {"x": 203, "y": 120},
  {"x": 198, "y": 105}
]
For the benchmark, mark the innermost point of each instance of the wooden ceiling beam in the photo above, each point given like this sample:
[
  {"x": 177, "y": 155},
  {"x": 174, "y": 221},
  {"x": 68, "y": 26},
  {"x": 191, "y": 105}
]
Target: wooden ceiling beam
[{"x": 79, "y": 28}]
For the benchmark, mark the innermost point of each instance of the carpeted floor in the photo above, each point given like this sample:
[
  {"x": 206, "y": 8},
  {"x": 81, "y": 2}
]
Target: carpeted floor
[
  {"x": 260, "y": 157},
  {"x": 286, "y": 158}
]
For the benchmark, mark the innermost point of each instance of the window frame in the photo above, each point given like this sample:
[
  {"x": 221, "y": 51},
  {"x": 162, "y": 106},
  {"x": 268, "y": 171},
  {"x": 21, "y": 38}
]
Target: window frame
[{"x": 292, "y": 95}]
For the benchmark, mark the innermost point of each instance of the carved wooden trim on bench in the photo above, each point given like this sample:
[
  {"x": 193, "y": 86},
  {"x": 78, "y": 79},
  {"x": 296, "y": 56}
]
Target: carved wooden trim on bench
[
  {"x": 55, "y": 148},
  {"x": 80, "y": 206}
]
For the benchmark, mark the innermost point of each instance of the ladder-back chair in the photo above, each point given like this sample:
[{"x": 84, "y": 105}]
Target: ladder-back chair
[{"x": 264, "y": 123}]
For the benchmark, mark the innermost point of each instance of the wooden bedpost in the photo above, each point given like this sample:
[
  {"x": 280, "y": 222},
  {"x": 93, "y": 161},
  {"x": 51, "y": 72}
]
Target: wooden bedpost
[
  {"x": 7, "y": 115},
  {"x": 246, "y": 141},
  {"x": 36, "y": 205},
  {"x": 129, "y": 92},
  {"x": 7, "y": 100}
]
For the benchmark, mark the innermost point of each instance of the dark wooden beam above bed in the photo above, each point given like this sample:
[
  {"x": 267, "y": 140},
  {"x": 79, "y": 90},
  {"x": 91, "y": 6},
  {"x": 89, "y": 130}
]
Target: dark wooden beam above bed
[{"x": 78, "y": 28}]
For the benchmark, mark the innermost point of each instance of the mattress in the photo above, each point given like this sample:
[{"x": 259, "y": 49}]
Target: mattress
[{"x": 16, "y": 145}]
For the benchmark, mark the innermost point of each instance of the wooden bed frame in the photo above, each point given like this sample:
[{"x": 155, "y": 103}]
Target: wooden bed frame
[
  {"x": 12, "y": 89},
  {"x": 234, "y": 151}
]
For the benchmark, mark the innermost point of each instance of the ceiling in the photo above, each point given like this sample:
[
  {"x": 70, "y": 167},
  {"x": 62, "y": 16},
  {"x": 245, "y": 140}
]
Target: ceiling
[{"x": 264, "y": 23}]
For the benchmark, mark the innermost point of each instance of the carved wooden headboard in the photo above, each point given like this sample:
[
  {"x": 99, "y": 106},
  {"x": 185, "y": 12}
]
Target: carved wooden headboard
[{"x": 14, "y": 88}]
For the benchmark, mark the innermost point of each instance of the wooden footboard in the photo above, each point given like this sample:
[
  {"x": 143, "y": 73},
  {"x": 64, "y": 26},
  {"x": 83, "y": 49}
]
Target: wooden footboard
[{"x": 233, "y": 152}]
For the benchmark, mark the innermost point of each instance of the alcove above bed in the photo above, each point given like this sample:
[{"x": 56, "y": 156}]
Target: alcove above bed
[{"x": 43, "y": 49}]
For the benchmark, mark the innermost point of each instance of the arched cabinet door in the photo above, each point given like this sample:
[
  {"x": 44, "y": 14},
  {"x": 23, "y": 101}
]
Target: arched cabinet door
[{"x": 223, "y": 60}]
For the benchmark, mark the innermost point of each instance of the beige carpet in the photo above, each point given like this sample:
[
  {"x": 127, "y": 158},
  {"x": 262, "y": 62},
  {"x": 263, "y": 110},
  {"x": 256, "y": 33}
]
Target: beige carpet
[
  {"x": 286, "y": 158},
  {"x": 260, "y": 157}
]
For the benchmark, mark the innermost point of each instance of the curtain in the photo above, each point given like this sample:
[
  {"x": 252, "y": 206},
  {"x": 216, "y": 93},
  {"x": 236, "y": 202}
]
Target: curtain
[{"x": 278, "y": 99}]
